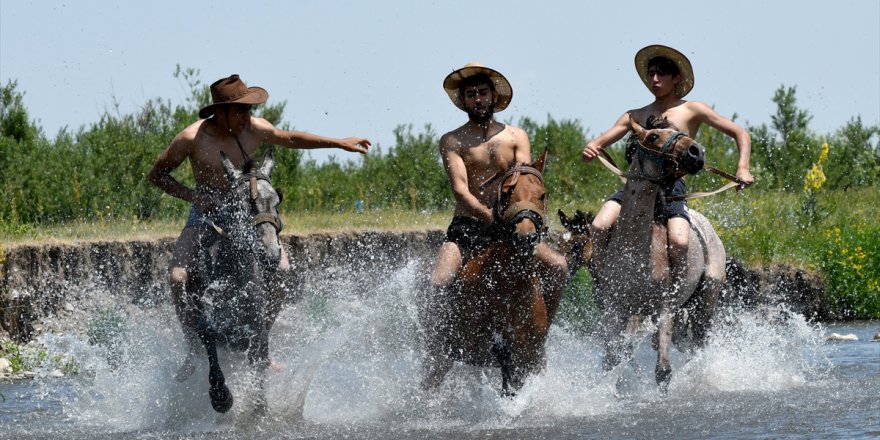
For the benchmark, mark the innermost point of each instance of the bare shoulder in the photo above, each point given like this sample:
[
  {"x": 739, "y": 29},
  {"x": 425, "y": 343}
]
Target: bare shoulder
[{"x": 450, "y": 140}]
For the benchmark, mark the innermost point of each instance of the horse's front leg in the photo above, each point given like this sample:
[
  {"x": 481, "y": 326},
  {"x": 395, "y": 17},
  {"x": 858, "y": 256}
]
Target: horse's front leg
[
  {"x": 663, "y": 370},
  {"x": 614, "y": 329},
  {"x": 221, "y": 397},
  {"x": 258, "y": 357}
]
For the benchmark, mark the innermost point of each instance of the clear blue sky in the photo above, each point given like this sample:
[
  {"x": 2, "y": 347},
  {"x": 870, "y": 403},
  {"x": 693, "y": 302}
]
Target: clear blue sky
[{"x": 362, "y": 68}]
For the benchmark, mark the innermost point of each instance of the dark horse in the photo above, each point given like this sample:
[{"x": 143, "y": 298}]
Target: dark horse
[
  {"x": 496, "y": 312},
  {"x": 230, "y": 290},
  {"x": 632, "y": 277}
]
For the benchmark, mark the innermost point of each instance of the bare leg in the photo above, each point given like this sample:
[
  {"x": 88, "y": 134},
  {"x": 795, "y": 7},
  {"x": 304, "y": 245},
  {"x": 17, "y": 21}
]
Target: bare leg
[
  {"x": 601, "y": 225},
  {"x": 678, "y": 230},
  {"x": 434, "y": 316},
  {"x": 185, "y": 250}
]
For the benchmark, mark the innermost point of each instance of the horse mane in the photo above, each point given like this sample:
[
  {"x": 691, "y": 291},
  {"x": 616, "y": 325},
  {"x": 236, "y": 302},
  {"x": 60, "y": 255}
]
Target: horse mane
[{"x": 249, "y": 166}]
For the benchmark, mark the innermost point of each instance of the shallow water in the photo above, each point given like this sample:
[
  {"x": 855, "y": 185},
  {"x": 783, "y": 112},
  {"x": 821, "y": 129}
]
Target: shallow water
[{"x": 351, "y": 367}]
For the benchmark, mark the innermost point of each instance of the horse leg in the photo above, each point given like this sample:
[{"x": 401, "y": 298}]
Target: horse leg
[
  {"x": 663, "y": 370},
  {"x": 258, "y": 357},
  {"x": 553, "y": 273},
  {"x": 614, "y": 335},
  {"x": 221, "y": 397}
]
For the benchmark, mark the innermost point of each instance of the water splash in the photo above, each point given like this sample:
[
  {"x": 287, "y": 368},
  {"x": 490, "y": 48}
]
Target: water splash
[{"x": 350, "y": 360}]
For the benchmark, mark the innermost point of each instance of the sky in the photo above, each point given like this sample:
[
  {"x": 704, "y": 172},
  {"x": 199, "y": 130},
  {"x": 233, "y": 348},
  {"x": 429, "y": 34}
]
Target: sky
[{"x": 362, "y": 68}]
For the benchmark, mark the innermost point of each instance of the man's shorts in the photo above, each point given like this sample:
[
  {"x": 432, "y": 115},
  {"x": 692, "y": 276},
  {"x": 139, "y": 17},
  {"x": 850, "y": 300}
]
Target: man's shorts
[
  {"x": 470, "y": 234},
  {"x": 663, "y": 209},
  {"x": 198, "y": 218}
]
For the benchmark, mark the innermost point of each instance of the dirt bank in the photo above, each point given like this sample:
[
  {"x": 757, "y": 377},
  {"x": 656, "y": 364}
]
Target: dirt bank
[{"x": 41, "y": 282}]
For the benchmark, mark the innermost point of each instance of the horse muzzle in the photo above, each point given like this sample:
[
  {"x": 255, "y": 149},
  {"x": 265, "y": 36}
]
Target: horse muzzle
[{"x": 693, "y": 159}]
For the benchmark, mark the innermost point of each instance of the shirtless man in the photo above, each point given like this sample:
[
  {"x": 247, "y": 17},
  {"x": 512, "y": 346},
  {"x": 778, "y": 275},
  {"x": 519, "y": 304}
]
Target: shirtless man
[
  {"x": 227, "y": 127},
  {"x": 668, "y": 75},
  {"x": 472, "y": 154}
]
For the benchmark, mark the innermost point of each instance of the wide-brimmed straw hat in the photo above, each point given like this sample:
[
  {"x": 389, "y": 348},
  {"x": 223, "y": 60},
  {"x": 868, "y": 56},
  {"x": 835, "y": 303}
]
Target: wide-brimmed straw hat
[
  {"x": 232, "y": 90},
  {"x": 686, "y": 72},
  {"x": 502, "y": 85}
]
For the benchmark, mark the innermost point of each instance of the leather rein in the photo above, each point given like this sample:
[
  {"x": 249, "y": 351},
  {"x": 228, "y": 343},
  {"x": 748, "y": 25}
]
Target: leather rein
[{"x": 664, "y": 154}]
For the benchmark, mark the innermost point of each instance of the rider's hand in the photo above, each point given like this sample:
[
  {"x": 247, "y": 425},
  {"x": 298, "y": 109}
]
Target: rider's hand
[
  {"x": 590, "y": 152},
  {"x": 355, "y": 144},
  {"x": 744, "y": 175}
]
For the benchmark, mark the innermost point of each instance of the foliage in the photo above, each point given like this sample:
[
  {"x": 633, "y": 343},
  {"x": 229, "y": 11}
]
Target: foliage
[{"x": 96, "y": 174}]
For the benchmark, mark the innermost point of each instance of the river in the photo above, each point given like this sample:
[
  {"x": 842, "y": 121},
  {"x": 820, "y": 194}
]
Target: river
[{"x": 350, "y": 368}]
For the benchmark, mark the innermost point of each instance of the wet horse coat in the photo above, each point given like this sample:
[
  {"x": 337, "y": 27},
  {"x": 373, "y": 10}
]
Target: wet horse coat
[
  {"x": 632, "y": 276},
  {"x": 230, "y": 291},
  {"x": 496, "y": 314}
]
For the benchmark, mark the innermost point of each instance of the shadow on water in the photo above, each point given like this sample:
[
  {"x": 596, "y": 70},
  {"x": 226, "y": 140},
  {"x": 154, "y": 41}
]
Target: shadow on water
[{"x": 350, "y": 361}]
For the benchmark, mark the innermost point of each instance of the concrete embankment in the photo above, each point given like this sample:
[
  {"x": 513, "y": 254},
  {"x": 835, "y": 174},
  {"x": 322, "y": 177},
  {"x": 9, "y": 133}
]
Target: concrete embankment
[{"x": 52, "y": 283}]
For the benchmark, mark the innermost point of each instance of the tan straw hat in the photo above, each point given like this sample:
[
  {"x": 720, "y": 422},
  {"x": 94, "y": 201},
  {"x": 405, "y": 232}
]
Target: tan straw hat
[
  {"x": 502, "y": 86},
  {"x": 232, "y": 90},
  {"x": 686, "y": 72}
]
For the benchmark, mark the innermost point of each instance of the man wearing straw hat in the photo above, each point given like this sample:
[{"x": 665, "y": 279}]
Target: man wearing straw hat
[
  {"x": 227, "y": 126},
  {"x": 669, "y": 76},
  {"x": 472, "y": 154}
]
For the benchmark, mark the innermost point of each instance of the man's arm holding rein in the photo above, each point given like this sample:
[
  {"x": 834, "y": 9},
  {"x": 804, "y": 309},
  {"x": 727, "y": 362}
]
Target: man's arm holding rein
[
  {"x": 457, "y": 173},
  {"x": 303, "y": 140},
  {"x": 743, "y": 140},
  {"x": 615, "y": 133}
]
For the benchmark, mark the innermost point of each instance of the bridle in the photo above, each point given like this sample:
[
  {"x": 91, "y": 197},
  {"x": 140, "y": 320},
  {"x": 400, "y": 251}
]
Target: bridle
[
  {"x": 259, "y": 217},
  {"x": 510, "y": 215},
  {"x": 660, "y": 157}
]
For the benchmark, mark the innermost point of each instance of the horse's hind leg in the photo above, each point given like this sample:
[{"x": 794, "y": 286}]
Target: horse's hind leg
[
  {"x": 221, "y": 397},
  {"x": 258, "y": 356}
]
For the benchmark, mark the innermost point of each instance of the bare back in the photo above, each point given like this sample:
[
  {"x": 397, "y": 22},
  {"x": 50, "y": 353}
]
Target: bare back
[{"x": 472, "y": 159}]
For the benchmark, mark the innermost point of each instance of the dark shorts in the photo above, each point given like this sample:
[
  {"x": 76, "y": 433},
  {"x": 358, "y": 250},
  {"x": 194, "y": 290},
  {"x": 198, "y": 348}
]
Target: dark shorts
[
  {"x": 470, "y": 234},
  {"x": 198, "y": 218},
  {"x": 664, "y": 210}
]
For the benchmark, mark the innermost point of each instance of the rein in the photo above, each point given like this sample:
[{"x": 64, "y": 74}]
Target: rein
[
  {"x": 261, "y": 217},
  {"x": 609, "y": 163}
]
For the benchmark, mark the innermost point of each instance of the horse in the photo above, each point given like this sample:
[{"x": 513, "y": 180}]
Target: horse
[
  {"x": 230, "y": 291},
  {"x": 632, "y": 277},
  {"x": 497, "y": 312}
]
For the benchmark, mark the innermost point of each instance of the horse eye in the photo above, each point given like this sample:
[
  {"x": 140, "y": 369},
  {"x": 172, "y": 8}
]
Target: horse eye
[{"x": 653, "y": 137}]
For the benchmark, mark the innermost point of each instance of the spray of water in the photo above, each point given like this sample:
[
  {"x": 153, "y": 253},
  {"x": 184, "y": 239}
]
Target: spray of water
[{"x": 349, "y": 357}]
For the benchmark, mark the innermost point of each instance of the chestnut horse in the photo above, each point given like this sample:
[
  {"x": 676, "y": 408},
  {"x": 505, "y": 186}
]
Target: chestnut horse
[
  {"x": 231, "y": 299},
  {"x": 632, "y": 276},
  {"x": 496, "y": 313}
]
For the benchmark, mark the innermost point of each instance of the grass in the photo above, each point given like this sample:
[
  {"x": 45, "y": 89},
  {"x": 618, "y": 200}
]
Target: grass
[{"x": 297, "y": 224}]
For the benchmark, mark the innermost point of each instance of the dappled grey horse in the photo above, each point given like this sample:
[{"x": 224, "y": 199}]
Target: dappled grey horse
[
  {"x": 230, "y": 290},
  {"x": 632, "y": 276}
]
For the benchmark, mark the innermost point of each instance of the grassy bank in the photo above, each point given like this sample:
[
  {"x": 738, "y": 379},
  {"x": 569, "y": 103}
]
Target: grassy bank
[{"x": 836, "y": 233}]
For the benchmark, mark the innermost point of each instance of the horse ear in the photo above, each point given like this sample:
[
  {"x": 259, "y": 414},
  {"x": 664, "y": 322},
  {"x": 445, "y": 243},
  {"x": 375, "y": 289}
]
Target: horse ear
[
  {"x": 268, "y": 163},
  {"x": 539, "y": 164},
  {"x": 637, "y": 129},
  {"x": 231, "y": 172}
]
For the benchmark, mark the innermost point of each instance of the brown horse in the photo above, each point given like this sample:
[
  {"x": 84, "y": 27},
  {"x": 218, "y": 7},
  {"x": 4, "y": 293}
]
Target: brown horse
[
  {"x": 497, "y": 311},
  {"x": 632, "y": 277}
]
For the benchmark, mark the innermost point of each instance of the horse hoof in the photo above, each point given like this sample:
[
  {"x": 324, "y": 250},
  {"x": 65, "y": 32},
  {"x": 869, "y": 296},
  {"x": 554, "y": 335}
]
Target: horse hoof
[
  {"x": 663, "y": 376},
  {"x": 221, "y": 399}
]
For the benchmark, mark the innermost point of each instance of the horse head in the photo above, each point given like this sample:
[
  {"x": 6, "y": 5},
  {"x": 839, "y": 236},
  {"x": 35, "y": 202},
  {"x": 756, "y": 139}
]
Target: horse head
[
  {"x": 520, "y": 208},
  {"x": 576, "y": 244},
  {"x": 253, "y": 209},
  {"x": 670, "y": 153}
]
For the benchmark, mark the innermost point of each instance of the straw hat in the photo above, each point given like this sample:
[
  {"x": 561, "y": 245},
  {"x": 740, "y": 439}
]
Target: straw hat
[
  {"x": 502, "y": 86},
  {"x": 232, "y": 90},
  {"x": 686, "y": 72}
]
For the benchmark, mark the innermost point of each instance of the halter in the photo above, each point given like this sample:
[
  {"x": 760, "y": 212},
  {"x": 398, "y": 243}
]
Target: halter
[
  {"x": 260, "y": 217},
  {"x": 659, "y": 157},
  {"x": 520, "y": 210}
]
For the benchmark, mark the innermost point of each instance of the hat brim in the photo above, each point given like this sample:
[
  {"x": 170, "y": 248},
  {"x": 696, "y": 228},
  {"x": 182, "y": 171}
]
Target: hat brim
[
  {"x": 502, "y": 85},
  {"x": 685, "y": 69},
  {"x": 253, "y": 96}
]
